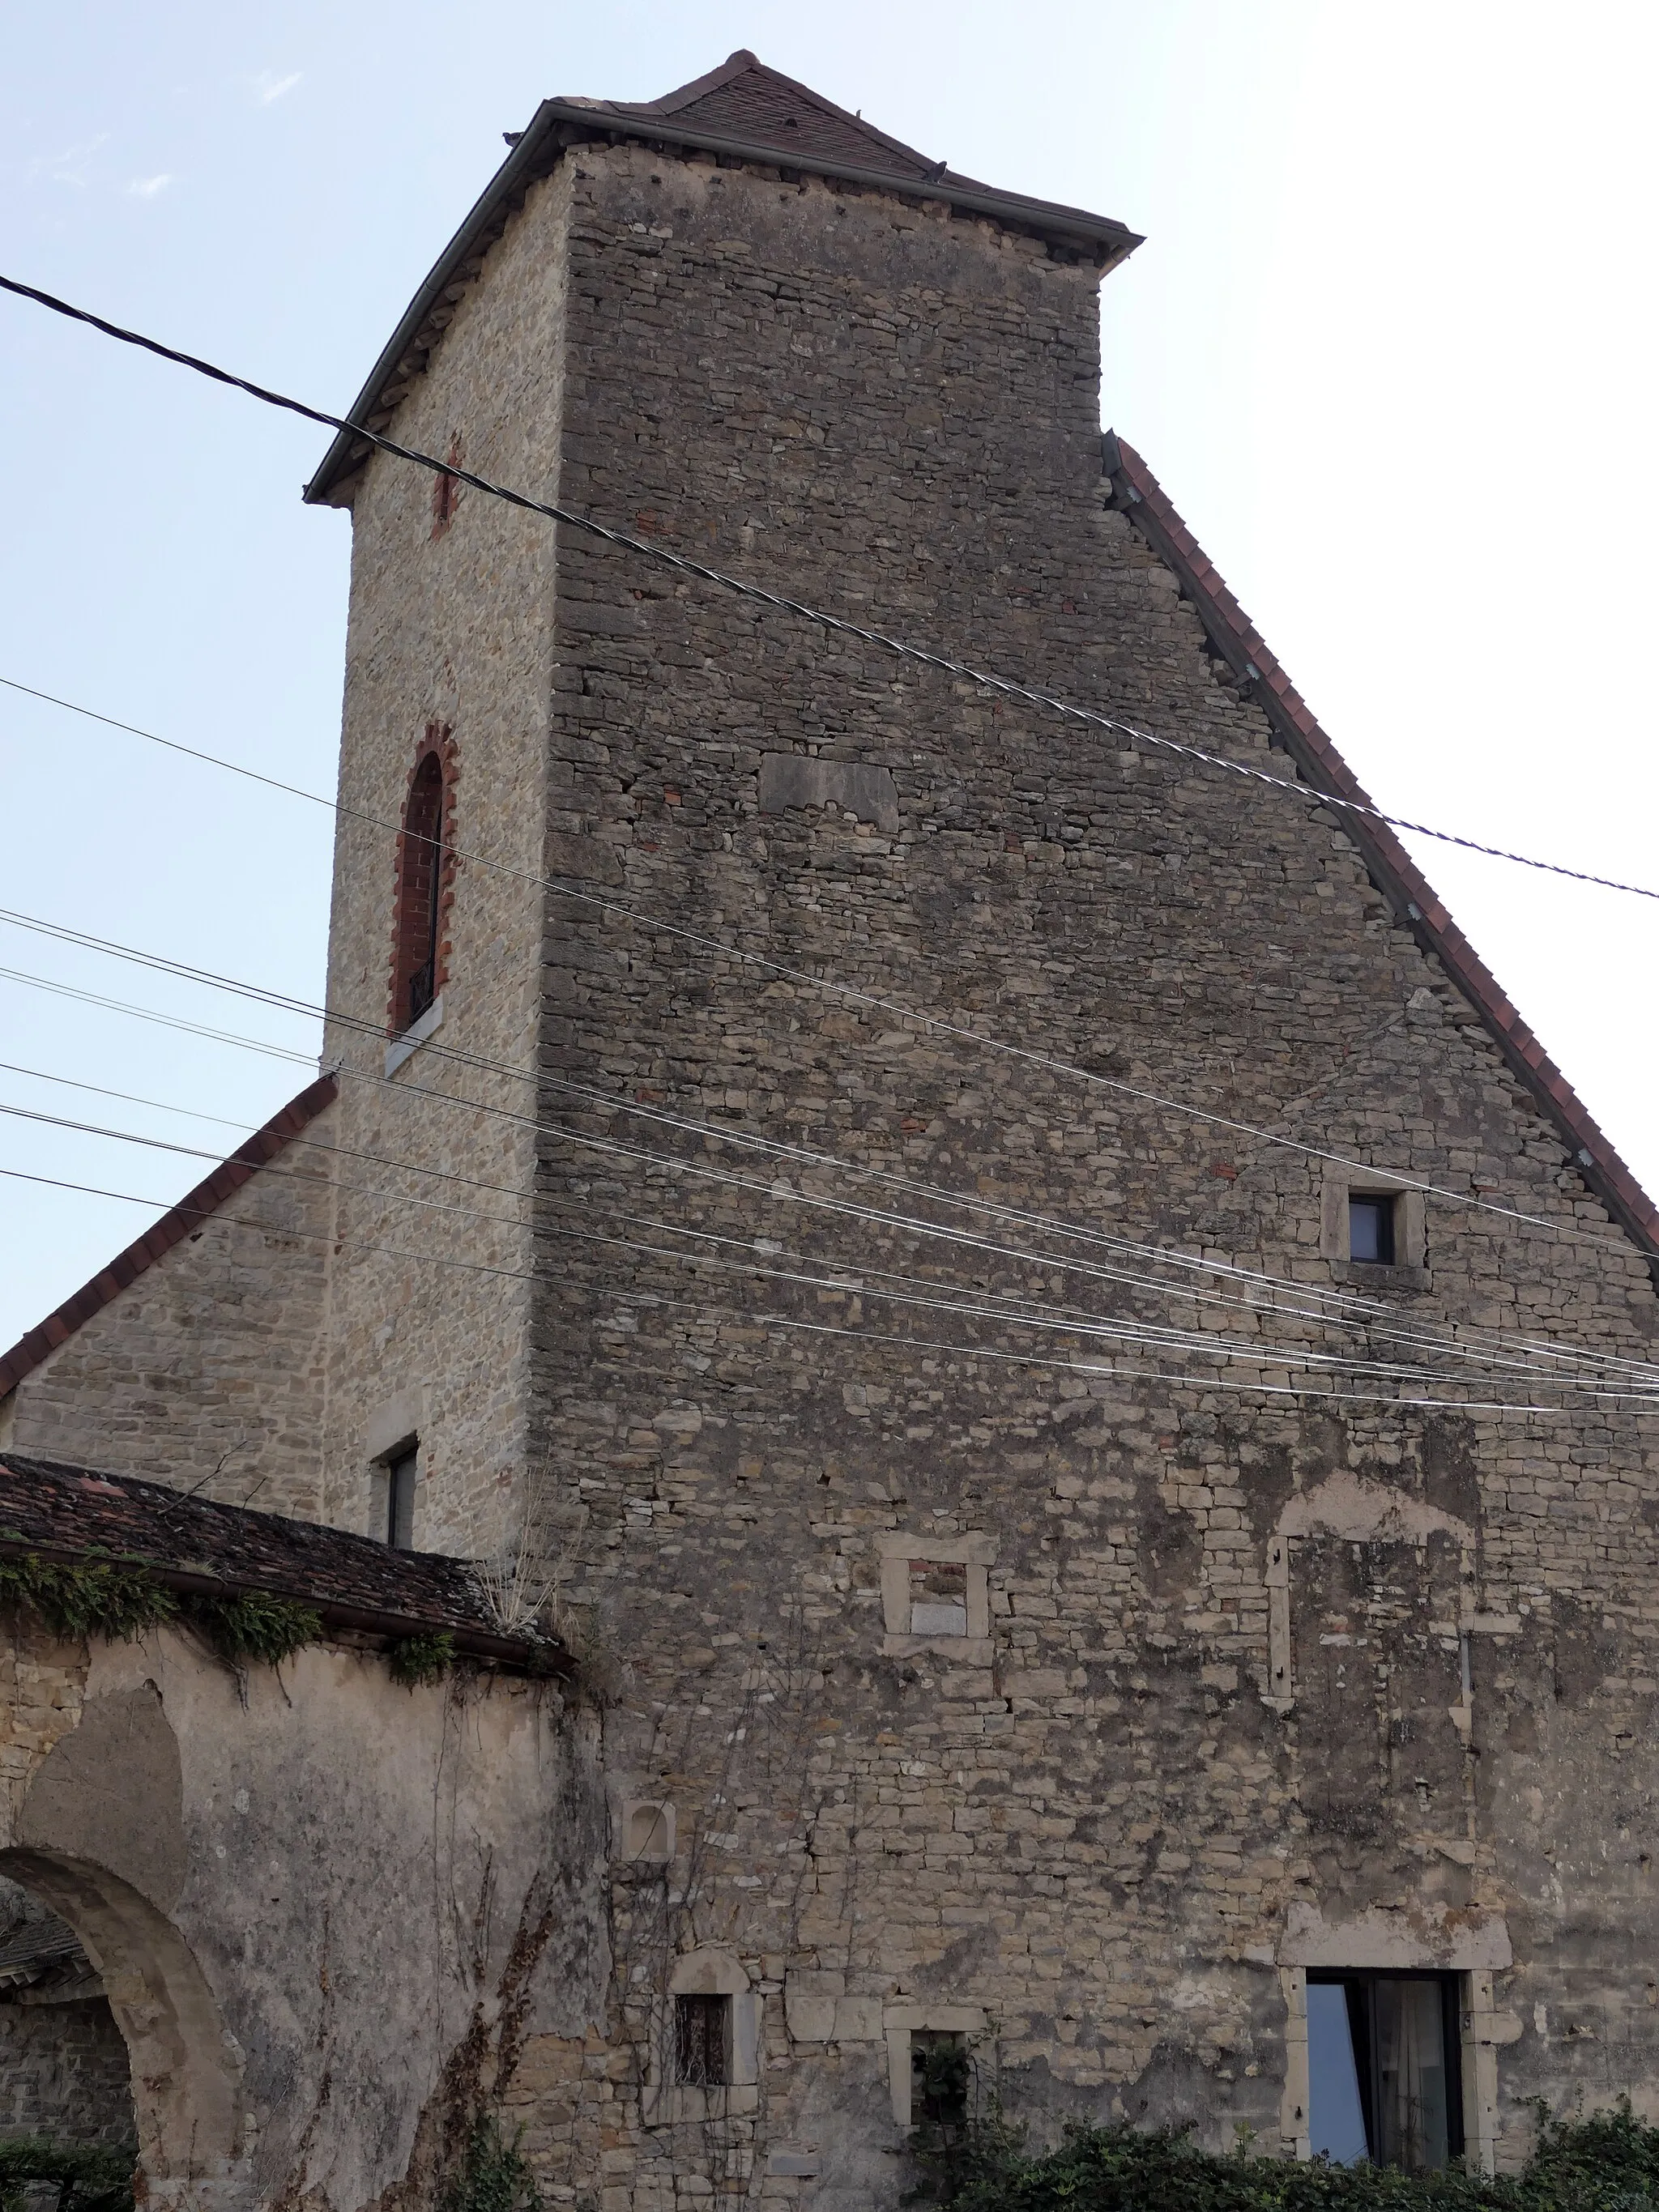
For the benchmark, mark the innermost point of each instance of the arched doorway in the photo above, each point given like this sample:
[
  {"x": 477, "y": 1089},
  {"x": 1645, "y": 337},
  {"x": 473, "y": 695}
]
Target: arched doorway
[
  {"x": 184, "y": 2099},
  {"x": 65, "y": 2073}
]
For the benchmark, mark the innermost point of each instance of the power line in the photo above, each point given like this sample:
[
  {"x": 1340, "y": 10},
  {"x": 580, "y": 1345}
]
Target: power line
[
  {"x": 779, "y": 602},
  {"x": 1071, "y": 1366},
  {"x": 1366, "y": 1310},
  {"x": 287, "y": 1003},
  {"x": 1014, "y": 1308}
]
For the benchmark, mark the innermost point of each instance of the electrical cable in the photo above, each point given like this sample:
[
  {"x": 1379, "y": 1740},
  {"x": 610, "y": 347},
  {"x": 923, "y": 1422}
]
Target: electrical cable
[
  {"x": 1073, "y": 1366},
  {"x": 286, "y": 1002},
  {"x": 1028, "y": 1312},
  {"x": 1463, "y": 1347},
  {"x": 565, "y": 889},
  {"x": 682, "y": 564}
]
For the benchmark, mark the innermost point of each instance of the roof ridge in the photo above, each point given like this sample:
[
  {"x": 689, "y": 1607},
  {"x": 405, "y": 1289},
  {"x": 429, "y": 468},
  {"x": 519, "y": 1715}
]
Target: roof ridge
[
  {"x": 745, "y": 63},
  {"x": 180, "y": 1221},
  {"x": 1418, "y": 906}
]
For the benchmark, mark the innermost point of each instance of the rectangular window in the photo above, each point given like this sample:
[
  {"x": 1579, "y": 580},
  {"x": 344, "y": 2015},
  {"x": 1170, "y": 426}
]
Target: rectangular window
[
  {"x": 939, "y": 2077},
  {"x": 1384, "y": 2073},
  {"x": 939, "y": 1597},
  {"x": 702, "y": 2041},
  {"x": 1371, "y": 1229},
  {"x": 400, "y": 1501}
]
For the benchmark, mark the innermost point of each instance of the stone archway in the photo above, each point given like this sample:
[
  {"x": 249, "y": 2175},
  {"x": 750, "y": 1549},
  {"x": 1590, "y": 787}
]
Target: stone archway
[{"x": 186, "y": 2086}]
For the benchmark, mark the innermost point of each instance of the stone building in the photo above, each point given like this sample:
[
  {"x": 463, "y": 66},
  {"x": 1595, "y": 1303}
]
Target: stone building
[{"x": 1075, "y": 1379}]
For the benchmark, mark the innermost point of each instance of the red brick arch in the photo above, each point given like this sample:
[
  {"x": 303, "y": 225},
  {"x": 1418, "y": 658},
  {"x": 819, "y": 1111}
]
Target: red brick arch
[{"x": 423, "y": 888}]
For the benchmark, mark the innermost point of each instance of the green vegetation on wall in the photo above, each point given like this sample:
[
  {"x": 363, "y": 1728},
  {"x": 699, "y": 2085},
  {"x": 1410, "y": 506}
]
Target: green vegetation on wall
[{"x": 1608, "y": 2163}]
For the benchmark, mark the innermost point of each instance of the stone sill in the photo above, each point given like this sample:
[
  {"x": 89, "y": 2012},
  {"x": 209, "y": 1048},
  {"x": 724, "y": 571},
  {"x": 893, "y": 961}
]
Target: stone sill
[
  {"x": 406, "y": 1046},
  {"x": 665, "y": 2107},
  {"x": 1371, "y": 1274},
  {"x": 965, "y": 1650}
]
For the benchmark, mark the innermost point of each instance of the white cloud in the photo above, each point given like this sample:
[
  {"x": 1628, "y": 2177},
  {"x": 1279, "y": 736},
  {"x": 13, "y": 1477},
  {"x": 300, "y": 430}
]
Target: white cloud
[
  {"x": 146, "y": 188},
  {"x": 269, "y": 87}
]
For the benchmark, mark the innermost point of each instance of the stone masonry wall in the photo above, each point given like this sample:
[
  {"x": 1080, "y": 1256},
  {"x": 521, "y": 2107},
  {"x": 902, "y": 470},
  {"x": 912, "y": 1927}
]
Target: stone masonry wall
[
  {"x": 449, "y": 624},
  {"x": 1090, "y": 1839},
  {"x": 207, "y": 1369},
  {"x": 63, "y": 2072}
]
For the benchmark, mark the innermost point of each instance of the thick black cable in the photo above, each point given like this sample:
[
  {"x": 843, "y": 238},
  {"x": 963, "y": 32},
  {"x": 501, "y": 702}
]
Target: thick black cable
[{"x": 684, "y": 565}]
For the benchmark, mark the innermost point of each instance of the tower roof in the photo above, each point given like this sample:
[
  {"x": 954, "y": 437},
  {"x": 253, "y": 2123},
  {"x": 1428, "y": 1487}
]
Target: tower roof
[{"x": 743, "y": 110}]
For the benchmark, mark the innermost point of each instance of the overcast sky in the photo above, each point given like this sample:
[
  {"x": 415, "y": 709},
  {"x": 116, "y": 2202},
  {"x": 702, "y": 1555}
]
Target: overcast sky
[{"x": 1388, "y": 344}]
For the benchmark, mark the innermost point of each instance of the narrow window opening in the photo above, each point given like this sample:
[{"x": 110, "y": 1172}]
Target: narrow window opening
[
  {"x": 1384, "y": 2078},
  {"x": 400, "y": 1500},
  {"x": 939, "y": 1597},
  {"x": 420, "y": 896},
  {"x": 1371, "y": 1229},
  {"x": 702, "y": 2041},
  {"x": 938, "y": 2078}
]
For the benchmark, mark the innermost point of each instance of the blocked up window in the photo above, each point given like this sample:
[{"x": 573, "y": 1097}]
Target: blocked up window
[
  {"x": 400, "y": 1500},
  {"x": 939, "y": 1597},
  {"x": 1370, "y": 1228},
  {"x": 702, "y": 2041},
  {"x": 1384, "y": 2077}
]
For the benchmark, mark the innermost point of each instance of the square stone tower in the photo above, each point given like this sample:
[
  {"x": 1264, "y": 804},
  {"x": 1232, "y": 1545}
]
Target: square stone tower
[{"x": 1078, "y": 1382}]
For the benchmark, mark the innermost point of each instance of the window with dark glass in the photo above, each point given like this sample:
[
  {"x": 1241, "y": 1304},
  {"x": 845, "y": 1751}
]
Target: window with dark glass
[
  {"x": 702, "y": 2041},
  {"x": 1385, "y": 2079},
  {"x": 400, "y": 1500},
  {"x": 1371, "y": 1229},
  {"x": 420, "y": 895}
]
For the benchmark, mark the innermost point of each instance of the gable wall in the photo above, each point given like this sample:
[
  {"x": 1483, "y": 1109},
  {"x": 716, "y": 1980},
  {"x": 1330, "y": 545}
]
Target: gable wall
[
  {"x": 1092, "y": 1830},
  {"x": 208, "y": 1369}
]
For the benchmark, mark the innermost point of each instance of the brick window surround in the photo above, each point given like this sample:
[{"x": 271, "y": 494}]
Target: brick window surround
[{"x": 424, "y": 887}]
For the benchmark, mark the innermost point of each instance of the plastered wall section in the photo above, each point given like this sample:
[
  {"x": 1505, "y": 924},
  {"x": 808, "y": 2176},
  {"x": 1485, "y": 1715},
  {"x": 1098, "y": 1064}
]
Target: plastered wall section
[
  {"x": 428, "y": 1317},
  {"x": 1092, "y": 1833},
  {"x": 207, "y": 1369},
  {"x": 316, "y": 2031}
]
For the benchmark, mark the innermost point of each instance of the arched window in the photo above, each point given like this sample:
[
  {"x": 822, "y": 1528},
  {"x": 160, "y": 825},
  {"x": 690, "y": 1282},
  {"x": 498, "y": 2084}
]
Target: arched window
[{"x": 424, "y": 868}]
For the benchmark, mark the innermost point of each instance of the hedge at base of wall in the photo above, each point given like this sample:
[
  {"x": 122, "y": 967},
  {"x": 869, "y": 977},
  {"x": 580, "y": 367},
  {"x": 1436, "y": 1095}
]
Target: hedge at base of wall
[{"x": 1608, "y": 2163}]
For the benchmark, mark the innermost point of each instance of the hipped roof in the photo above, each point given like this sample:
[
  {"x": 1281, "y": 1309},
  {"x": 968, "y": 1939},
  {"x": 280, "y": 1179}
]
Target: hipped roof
[{"x": 742, "y": 112}]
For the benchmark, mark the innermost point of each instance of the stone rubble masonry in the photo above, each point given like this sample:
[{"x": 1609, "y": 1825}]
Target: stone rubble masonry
[
  {"x": 207, "y": 1368},
  {"x": 453, "y": 628},
  {"x": 1093, "y": 1842}
]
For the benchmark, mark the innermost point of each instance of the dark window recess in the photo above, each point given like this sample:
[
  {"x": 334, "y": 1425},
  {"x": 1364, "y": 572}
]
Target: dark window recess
[
  {"x": 420, "y": 893},
  {"x": 939, "y": 2079},
  {"x": 1384, "y": 2074},
  {"x": 702, "y": 2039},
  {"x": 1370, "y": 1230},
  {"x": 400, "y": 1501}
]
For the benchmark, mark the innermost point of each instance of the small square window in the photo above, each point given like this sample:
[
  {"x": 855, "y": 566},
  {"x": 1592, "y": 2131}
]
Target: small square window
[
  {"x": 939, "y": 1597},
  {"x": 1370, "y": 1228},
  {"x": 702, "y": 2041}
]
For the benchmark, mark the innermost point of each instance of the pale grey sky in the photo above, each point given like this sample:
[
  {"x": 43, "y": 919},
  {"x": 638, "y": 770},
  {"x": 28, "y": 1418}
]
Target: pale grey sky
[{"x": 1387, "y": 344}]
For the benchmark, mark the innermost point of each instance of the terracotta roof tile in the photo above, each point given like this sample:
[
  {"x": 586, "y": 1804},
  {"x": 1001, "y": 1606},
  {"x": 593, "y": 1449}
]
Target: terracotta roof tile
[{"x": 194, "y": 1543}]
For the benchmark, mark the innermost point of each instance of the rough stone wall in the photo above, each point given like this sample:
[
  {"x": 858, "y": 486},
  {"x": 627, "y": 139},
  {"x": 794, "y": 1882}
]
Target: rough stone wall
[
  {"x": 449, "y": 623},
  {"x": 63, "y": 2072},
  {"x": 208, "y": 1368},
  {"x": 1087, "y": 1838}
]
